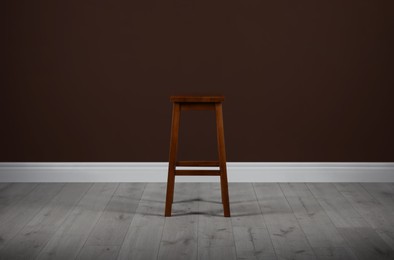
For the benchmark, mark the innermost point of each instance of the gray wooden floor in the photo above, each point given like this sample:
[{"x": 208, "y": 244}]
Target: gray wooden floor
[{"x": 125, "y": 221}]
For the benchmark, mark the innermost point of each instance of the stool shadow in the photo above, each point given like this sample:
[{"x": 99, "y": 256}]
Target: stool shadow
[
  {"x": 182, "y": 201},
  {"x": 195, "y": 200},
  {"x": 213, "y": 201},
  {"x": 211, "y": 213},
  {"x": 218, "y": 213}
]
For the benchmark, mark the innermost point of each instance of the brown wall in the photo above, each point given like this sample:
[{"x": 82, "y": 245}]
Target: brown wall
[{"x": 304, "y": 80}]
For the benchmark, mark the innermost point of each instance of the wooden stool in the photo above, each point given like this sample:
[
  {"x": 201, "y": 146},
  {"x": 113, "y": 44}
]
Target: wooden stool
[{"x": 197, "y": 103}]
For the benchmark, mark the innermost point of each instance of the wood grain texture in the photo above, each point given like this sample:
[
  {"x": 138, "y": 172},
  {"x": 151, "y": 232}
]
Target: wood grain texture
[
  {"x": 179, "y": 240},
  {"x": 143, "y": 237},
  {"x": 251, "y": 237},
  {"x": 110, "y": 230},
  {"x": 359, "y": 235},
  {"x": 286, "y": 234},
  {"x": 317, "y": 226},
  {"x": 376, "y": 214},
  {"x": 19, "y": 214},
  {"x": 269, "y": 221},
  {"x": 34, "y": 236},
  {"x": 112, "y": 226},
  {"x": 382, "y": 192},
  {"x": 90, "y": 252},
  {"x": 215, "y": 234},
  {"x": 217, "y": 253},
  {"x": 335, "y": 253},
  {"x": 73, "y": 233},
  {"x": 11, "y": 193}
]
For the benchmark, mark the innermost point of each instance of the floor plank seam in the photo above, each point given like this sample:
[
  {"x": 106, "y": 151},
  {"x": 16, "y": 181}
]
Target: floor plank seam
[
  {"x": 373, "y": 196},
  {"x": 351, "y": 204},
  {"x": 366, "y": 220},
  {"x": 265, "y": 223},
  {"x": 64, "y": 220},
  {"x": 131, "y": 221},
  {"x": 16, "y": 203},
  {"x": 232, "y": 233},
  {"x": 98, "y": 219},
  {"x": 298, "y": 222},
  {"x": 32, "y": 217},
  {"x": 141, "y": 209},
  {"x": 123, "y": 221},
  {"x": 344, "y": 238},
  {"x": 162, "y": 232},
  {"x": 92, "y": 228}
]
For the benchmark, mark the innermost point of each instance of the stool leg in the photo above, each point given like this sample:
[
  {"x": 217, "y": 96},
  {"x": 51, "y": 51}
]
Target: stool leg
[
  {"x": 172, "y": 160},
  {"x": 222, "y": 159}
]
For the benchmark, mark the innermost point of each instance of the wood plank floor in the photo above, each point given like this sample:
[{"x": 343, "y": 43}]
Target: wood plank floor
[{"x": 125, "y": 221}]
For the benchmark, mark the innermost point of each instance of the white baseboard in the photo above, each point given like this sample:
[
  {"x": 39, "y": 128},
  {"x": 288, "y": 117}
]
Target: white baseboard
[{"x": 157, "y": 172}]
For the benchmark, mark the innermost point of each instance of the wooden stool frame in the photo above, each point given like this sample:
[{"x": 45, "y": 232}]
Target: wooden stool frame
[{"x": 197, "y": 103}]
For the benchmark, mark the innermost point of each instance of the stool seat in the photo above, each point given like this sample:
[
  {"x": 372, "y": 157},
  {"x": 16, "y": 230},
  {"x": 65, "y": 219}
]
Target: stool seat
[
  {"x": 184, "y": 103},
  {"x": 197, "y": 99}
]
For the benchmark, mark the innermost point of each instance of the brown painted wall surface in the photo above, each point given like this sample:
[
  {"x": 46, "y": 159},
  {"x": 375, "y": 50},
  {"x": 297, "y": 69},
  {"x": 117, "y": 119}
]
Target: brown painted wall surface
[{"x": 305, "y": 81}]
